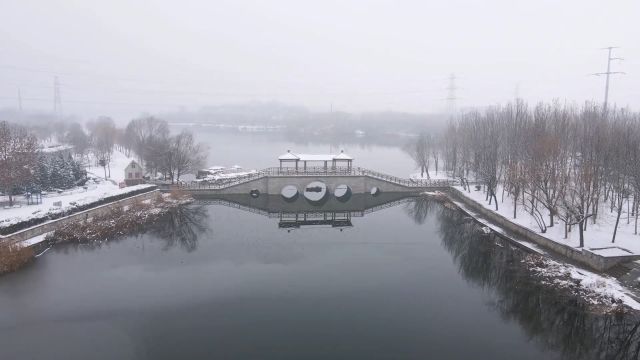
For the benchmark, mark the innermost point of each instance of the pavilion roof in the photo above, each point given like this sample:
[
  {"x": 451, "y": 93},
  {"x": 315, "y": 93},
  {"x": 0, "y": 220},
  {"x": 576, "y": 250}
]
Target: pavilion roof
[
  {"x": 288, "y": 156},
  {"x": 314, "y": 157},
  {"x": 343, "y": 156}
]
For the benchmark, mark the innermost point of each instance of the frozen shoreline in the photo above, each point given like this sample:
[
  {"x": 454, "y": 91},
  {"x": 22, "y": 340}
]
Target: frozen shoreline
[{"x": 598, "y": 289}]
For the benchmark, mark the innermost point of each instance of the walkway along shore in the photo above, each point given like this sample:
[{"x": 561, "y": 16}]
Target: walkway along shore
[
  {"x": 581, "y": 255},
  {"x": 25, "y": 235},
  {"x": 96, "y": 224}
]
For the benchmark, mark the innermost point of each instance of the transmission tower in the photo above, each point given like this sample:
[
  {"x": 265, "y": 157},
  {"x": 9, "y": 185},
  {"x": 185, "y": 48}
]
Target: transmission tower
[
  {"x": 451, "y": 95},
  {"x": 608, "y": 73},
  {"x": 57, "y": 100}
]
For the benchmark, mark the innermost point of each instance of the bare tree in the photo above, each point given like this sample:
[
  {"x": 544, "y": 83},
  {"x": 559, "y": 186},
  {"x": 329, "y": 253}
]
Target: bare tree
[
  {"x": 148, "y": 136},
  {"x": 103, "y": 137},
  {"x": 420, "y": 151},
  {"x": 184, "y": 155},
  {"x": 18, "y": 158},
  {"x": 78, "y": 138}
]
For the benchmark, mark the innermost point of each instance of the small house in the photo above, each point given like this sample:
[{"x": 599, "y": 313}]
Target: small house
[{"x": 133, "y": 174}]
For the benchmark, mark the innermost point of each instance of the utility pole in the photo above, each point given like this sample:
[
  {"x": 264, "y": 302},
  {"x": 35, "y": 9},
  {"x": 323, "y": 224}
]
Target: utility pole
[
  {"x": 57, "y": 101},
  {"x": 451, "y": 95},
  {"x": 608, "y": 73}
]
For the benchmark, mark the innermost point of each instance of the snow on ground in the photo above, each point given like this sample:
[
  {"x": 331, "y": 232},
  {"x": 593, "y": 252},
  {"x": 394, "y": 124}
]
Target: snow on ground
[
  {"x": 69, "y": 199},
  {"x": 34, "y": 240},
  {"x": 611, "y": 251},
  {"x": 441, "y": 175},
  {"x": 596, "y": 287},
  {"x": 601, "y": 286},
  {"x": 93, "y": 190},
  {"x": 119, "y": 161},
  {"x": 221, "y": 176},
  {"x": 597, "y": 236}
]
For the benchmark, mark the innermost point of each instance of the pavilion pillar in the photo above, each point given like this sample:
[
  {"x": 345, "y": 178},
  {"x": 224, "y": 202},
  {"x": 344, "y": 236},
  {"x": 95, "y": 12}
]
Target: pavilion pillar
[{"x": 305, "y": 165}]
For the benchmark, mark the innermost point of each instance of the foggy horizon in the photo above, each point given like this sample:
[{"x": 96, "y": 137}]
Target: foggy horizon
[{"x": 121, "y": 60}]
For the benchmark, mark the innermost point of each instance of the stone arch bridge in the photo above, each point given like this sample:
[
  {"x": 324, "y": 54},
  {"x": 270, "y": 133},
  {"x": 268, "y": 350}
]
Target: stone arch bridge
[{"x": 273, "y": 181}]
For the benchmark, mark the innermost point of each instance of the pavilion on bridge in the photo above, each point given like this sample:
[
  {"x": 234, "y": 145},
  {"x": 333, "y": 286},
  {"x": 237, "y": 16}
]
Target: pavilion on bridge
[{"x": 315, "y": 161}]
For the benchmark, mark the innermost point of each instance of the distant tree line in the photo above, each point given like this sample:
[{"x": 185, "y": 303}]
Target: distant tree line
[
  {"x": 18, "y": 158},
  {"x": 559, "y": 162},
  {"x": 23, "y": 167},
  {"x": 170, "y": 156},
  {"x": 149, "y": 138}
]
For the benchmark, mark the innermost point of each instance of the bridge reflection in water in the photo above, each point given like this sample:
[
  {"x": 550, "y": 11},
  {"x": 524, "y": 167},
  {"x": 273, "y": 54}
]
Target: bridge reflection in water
[{"x": 300, "y": 213}]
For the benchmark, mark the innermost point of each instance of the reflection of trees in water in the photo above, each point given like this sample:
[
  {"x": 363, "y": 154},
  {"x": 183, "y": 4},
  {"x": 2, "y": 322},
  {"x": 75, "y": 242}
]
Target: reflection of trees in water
[
  {"x": 553, "y": 317},
  {"x": 419, "y": 209},
  {"x": 181, "y": 225}
]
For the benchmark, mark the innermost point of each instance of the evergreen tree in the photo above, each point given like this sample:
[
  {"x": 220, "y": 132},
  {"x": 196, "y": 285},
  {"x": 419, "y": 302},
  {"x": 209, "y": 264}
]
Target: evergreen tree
[
  {"x": 56, "y": 173},
  {"x": 41, "y": 176}
]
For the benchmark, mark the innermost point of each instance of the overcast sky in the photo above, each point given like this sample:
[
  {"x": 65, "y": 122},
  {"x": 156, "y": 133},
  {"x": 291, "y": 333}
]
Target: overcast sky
[{"x": 122, "y": 58}]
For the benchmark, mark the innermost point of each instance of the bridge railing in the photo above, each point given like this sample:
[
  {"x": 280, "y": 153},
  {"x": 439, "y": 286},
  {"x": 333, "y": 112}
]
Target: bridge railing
[
  {"x": 407, "y": 182},
  {"x": 219, "y": 183},
  {"x": 310, "y": 171},
  {"x": 224, "y": 183}
]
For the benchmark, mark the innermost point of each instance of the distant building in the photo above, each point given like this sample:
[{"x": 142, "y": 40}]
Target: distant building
[{"x": 133, "y": 174}]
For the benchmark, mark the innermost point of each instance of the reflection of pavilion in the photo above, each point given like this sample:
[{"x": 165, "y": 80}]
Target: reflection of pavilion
[
  {"x": 301, "y": 213},
  {"x": 341, "y": 219}
]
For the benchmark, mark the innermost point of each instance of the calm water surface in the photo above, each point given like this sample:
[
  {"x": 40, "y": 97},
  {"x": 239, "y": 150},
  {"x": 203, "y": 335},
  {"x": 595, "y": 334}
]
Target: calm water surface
[
  {"x": 412, "y": 281},
  {"x": 261, "y": 150}
]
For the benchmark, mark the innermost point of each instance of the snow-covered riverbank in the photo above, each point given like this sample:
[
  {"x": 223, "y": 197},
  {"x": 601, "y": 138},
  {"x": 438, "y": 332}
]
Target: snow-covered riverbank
[
  {"x": 601, "y": 290},
  {"x": 597, "y": 236},
  {"x": 59, "y": 204}
]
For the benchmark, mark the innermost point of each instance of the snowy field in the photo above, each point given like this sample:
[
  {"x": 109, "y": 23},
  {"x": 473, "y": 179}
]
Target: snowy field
[
  {"x": 441, "y": 175},
  {"x": 67, "y": 200},
  {"x": 94, "y": 190},
  {"x": 594, "y": 287},
  {"x": 597, "y": 235},
  {"x": 118, "y": 162}
]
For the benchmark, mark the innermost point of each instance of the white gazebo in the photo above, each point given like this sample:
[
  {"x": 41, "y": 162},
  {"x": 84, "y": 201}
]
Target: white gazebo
[{"x": 326, "y": 161}]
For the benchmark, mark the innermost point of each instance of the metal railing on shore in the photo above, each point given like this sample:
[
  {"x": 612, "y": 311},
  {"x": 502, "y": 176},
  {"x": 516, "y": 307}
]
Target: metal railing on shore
[{"x": 223, "y": 183}]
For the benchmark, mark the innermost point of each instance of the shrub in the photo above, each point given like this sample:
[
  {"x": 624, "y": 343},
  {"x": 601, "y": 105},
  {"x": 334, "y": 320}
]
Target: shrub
[{"x": 14, "y": 257}]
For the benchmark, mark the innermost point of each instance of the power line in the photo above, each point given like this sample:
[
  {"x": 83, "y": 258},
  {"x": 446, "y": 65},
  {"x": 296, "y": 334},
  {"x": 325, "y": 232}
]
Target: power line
[
  {"x": 608, "y": 73},
  {"x": 451, "y": 94},
  {"x": 57, "y": 101}
]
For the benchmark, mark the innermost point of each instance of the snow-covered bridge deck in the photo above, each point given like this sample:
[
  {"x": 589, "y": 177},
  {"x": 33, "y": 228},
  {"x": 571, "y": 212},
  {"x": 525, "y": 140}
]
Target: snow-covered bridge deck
[{"x": 273, "y": 180}]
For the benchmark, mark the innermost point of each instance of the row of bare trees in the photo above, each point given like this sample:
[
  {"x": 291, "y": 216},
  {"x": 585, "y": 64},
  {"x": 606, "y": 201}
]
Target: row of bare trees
[
  {"x": 171, "y": 156},
  {"x": 556, "y": 161},
  {"x": 18, "y": 157},
  {"x": 149, "y": 138}
]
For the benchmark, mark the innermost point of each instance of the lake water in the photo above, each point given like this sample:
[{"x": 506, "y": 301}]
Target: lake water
[
  {"x": 261, "y": 150},
  {"x": 232, "y": 279},
  {"x": 240, "y": 278}
]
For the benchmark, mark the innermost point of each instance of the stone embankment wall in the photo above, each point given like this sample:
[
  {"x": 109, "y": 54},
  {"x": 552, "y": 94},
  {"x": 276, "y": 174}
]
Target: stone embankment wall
[
  {"x": 583, "y": 256},
  {"x": 52, "y": 225}
]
